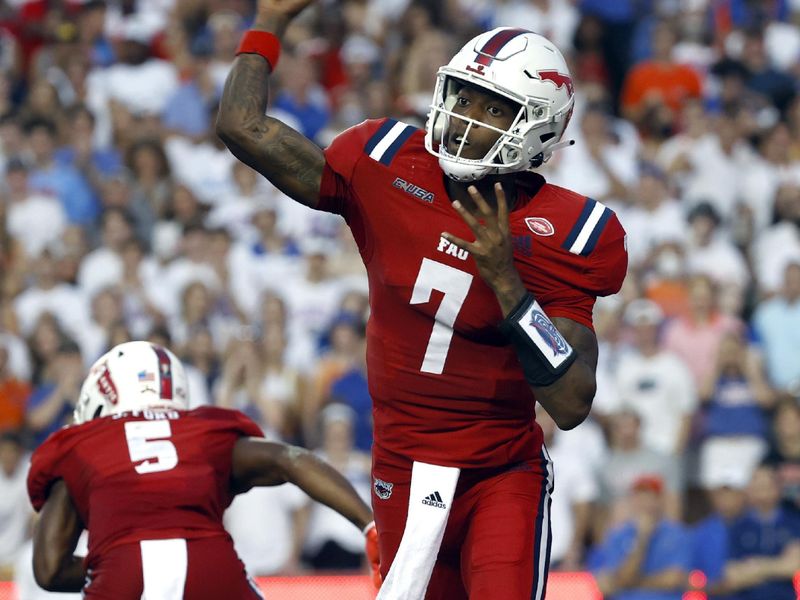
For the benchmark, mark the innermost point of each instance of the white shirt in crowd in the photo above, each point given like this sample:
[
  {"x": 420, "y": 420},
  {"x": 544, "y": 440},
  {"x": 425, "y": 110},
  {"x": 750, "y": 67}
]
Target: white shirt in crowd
[
  {"x": 261, "y": 525},
  {"x": 575, "y": 484},
  {"x": 142, "y": 89},
  {"x": 719, "y": 260},
  {"x": 325, "y": 524},
  {"x": 648, "y": 229},
  {"x": 15, "y": 512},
  {"x": 662, "y": 392},
  {"x": 202, "y": 167},
  {"x": 36, "y": 222},
  {"x": 64, "y": 301}
]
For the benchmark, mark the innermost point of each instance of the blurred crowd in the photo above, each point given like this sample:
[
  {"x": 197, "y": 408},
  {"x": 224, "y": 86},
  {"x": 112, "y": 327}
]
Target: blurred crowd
[{"x": 123, "y": 217}]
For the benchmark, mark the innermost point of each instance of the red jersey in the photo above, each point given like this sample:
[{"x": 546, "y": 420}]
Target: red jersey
[
  {"x": 144, "y": 476},
  {"x": 446, "y": 386}
]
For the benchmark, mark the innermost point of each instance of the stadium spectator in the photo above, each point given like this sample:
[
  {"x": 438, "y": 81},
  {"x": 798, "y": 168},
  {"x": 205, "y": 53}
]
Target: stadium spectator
[
  {"x": 63, "y": 181},
  {"x": 764, "y": 543},
  {"x": 697, "y": 335},
  {"x": 649, "y": 555},
  {"x": 14, "y": 392},
  {"x": 784, "y": 455},
  {"x": 734, "y": 421},
  {"x": 573, "y": 501},
  {"x": 36, "y": 220},
  {"x": 152, "y": 185},
  {"x": 655, "y": 90},
  {"x": 710, "y": 253},
  {"x": 15, "y": 514},
  {"x": 330, "y": 543},
  {"x": 779, "y": 244},
  {"x": 627, "y": 460},
  {"x": 777, "y": 323},
  {"x": 51, "y": 403},
  {"x": 284, "y": 389},
  {"x": 103, "y": 266},
  {"x": 655, "y": 383},
  {"x": 49, "y": 294},
  {"x": 725, "y": 490}
]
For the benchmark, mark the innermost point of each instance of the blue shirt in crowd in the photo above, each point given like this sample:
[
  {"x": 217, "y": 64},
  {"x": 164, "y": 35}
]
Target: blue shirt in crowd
[
  {"x": 669, "y": 548},
  {"x": 351, "y": 389},
  {"x": 69, "y": 186},
  {"x": 734, "y": 410},
  {"x": 756, "y": 536},
  {"x": 710, "y": 551},
  {"x": 777, "y": 324}
]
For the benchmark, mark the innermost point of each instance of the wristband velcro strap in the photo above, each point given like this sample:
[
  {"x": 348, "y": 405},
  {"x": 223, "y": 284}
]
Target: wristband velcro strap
[
  {"x": 542, "y": 351},
  {"x": 263, "y": 43}
]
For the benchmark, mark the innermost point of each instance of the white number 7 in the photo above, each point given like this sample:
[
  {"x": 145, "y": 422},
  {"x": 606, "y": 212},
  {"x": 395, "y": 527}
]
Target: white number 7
[
  {"x": 455, "y": 284},
  {"x": 144, "y": 444}
]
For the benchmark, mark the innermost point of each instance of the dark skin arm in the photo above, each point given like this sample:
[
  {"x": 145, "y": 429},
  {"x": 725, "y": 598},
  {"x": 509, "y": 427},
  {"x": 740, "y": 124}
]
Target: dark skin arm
[
  {"x": 257, "y": 462},
  {"x": 289, "y": 160},
  {"x": 569, "y": 399},
  {"x": 55, "y": 568}
]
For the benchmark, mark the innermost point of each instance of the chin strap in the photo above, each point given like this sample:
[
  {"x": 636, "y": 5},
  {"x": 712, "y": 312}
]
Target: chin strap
[{"x": 545, "y": 155}]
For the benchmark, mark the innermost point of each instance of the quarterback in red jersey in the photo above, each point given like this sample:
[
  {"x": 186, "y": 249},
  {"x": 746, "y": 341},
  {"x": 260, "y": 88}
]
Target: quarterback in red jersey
[
  {"x": 464, "y": 336},
  {"x": 151, "y": 480}
]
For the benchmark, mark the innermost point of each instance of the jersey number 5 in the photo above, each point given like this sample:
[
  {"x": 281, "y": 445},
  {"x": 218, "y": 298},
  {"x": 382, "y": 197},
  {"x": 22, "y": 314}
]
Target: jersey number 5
[
  {"x": 146, "y": 444},
  {"x": 455, "y": 286}
]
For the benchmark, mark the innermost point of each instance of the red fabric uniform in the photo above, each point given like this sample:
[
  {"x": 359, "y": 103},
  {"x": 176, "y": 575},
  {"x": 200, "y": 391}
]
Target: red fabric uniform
[
  {"x": 151, "y": 475},
  {"x": 446, "y": 387}
]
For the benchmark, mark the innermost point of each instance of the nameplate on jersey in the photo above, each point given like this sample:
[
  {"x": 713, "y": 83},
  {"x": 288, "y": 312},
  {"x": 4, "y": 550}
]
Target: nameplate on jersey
[
  {"x": 583, "y": 236},
  {"x": 387, "y": 141}
]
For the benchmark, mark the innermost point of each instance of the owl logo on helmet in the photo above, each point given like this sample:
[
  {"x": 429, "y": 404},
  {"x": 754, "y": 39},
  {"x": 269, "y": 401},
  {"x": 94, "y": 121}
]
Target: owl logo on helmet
[
  {"x": 518, "y": 65},
  {"x": 132, "y": 376}
]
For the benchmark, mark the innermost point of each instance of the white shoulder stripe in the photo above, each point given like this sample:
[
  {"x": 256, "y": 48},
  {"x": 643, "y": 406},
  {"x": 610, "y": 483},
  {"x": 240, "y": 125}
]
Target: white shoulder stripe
[
  {"x": 588, "y": 228},
  {"x": 381, "y": 147}
]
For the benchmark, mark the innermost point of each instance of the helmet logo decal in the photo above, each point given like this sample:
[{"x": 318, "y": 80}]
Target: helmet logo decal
[
  {"x": 164, "y": 372},
  {"x": 107, "y": 387},
  {"x": 559, "y": 79},
  {"x": 490, "y": 49},
  {"x": 476, "y": 69}
]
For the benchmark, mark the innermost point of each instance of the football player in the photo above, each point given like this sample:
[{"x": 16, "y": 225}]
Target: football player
[
  {"x": 482, "y": 282},
  {"x": 150, "y": 481}
]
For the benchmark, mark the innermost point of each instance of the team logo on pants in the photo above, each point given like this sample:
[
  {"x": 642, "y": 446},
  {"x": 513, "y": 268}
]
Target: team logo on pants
[{"x": 383, "y": 489}]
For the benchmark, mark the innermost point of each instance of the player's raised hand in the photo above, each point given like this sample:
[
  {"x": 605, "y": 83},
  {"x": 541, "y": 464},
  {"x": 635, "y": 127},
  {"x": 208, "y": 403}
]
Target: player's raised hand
[{"x": 491, "y": 249}]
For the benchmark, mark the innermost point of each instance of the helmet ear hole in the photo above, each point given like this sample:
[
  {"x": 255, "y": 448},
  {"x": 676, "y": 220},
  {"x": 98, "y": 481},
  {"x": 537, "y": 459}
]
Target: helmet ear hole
[{"x": 97, "y": 412}]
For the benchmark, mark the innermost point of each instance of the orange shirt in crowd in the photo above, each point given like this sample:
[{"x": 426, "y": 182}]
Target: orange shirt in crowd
[
  {"x": 673, "y": 83},
  {"x": 13, "y": 397}
]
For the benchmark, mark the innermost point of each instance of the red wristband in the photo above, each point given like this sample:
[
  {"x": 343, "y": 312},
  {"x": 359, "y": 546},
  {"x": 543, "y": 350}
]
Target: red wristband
[{"x": 263, "y": 43}]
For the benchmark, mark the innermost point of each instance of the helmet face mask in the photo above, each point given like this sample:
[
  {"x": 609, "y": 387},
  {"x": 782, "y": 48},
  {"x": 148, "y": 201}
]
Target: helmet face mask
[
  {"x": 129, "y": 377},
  {"x": 523, "y": 68}
]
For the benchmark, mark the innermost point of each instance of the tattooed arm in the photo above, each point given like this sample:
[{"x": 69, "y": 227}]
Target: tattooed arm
[{"x": 292, "y": 162}]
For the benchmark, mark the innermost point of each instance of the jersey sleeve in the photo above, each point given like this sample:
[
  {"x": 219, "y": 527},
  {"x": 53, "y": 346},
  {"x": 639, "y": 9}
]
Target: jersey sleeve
[
  {"x": 341, "y": 158},
  {"x": 608, "y": 263},
  {"x": 603, "y": 273},
  {"x": 44, "y": 471}
]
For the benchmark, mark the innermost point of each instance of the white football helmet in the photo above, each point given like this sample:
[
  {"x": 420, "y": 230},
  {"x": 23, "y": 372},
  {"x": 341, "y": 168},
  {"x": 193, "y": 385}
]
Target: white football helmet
[
  {"x": 521, "y": 66},
  {"x": 132, "y": 376}
]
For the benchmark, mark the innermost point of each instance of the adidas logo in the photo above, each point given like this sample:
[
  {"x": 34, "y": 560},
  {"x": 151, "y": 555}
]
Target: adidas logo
[{"x": 434, "y": 500}]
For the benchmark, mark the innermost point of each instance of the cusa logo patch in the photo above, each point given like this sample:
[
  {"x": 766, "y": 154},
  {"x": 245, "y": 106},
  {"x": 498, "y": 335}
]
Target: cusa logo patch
[
  {"x": 549, "y": 333},
  {"x": 383, "y": 489},
  {"x": 540, "y": 226},
  {"x": 413, "y": 190}
]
